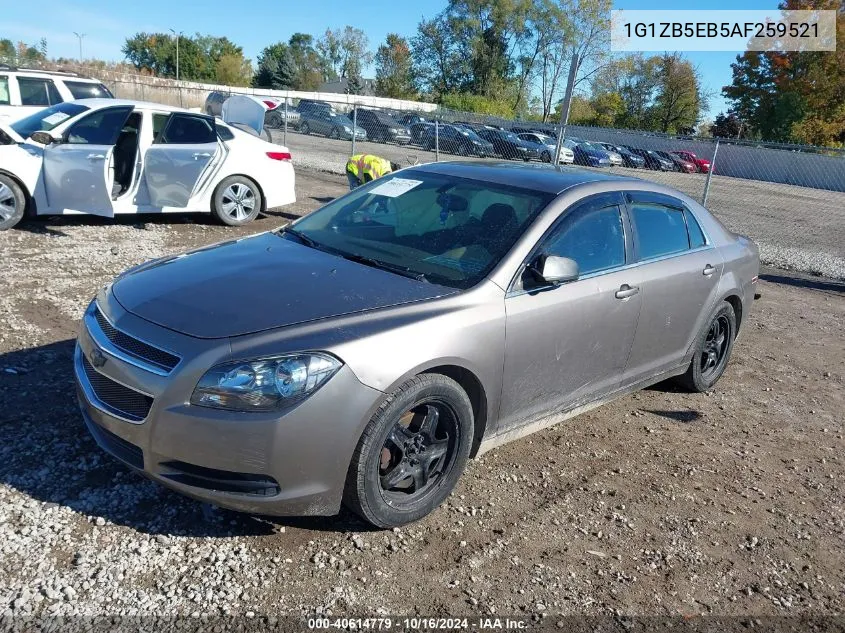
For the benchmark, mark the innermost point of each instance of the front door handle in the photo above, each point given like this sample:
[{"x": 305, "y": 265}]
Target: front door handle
[
  {"x": 96, "y": 157},
  {"x": 626, "y": 291},
  {"x": 708, "y": 270},
  {"x": 198, "y": 155}
]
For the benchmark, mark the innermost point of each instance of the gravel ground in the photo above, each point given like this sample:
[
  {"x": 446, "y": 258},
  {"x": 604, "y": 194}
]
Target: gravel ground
[
  {"x": 796, "y": 228},
  {"x": 662, "y": 503}
]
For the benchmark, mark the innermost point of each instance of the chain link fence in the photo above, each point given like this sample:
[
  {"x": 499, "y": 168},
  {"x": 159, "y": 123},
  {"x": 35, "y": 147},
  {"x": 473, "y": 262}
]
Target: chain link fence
[{"x": 789, "y": 199}]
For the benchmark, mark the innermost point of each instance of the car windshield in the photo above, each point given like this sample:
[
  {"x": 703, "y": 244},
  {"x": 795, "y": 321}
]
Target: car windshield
[
  {"x": 443, "y": 229},
  {"x": 510, "y": 136},
  {"x": 48, "y": 118},
  {"x": 340, "y": 119},
  {"x": 470, "y": 133},
  {"x": 595, "y": 148}
]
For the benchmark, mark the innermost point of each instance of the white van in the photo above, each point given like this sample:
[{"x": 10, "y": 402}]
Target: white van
[{"x": 27, "y": 90}]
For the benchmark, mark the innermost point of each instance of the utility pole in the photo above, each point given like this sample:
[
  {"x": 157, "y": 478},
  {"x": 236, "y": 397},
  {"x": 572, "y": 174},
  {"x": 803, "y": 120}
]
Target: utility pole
[
  {"x": 79, "y": 36},
  {"x": 177, "y": 51},
  {"x": 565, "y": 105}
]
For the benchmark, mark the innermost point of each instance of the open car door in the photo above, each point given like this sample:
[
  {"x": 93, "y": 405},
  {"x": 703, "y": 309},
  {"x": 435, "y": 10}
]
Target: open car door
[
  {"x": 78, "y": 174},
  {"x": 246, "y": 113},
  {"x": 181, "y": 159}
]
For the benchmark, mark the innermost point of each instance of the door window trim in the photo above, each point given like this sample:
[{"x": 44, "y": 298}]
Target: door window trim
[
  {"x": 601, "y": 201},
  {"x": 651, "y": 197},
  {"x": 188, "y": 115}
]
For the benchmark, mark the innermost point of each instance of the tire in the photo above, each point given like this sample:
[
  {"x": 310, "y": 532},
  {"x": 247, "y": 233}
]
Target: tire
[
  {"x": 546, "y": 157},
  {"x": 303, "y": 127},
  {"x": 395, "y": 442},
  {"x": 335, "y": 133},
  {"x": 274, "y": 120},
  {"x": 12, "y": 202},
  {"x": 236, "y": 189},
  {"x": 705, "y": 370}
]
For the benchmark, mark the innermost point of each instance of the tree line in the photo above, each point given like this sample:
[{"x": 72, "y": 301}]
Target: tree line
[{"x": 511, "y": 58}]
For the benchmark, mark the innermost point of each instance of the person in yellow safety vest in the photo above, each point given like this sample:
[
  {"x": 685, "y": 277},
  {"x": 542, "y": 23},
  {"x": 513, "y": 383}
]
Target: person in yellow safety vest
[{"x": 362, "y": 168}]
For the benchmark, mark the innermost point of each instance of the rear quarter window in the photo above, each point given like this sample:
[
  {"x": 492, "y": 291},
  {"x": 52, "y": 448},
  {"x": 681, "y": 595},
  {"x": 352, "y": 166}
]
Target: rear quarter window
[{"x": 88, "y": 90}]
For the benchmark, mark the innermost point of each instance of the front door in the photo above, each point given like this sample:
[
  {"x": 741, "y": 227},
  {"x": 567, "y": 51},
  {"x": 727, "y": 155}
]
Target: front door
[
  {"x": 77, "y": 170},
  {"x": 680, "y": 278},
  {"x": 181, "y": 157},
  {"x": 568, "y": 344}
]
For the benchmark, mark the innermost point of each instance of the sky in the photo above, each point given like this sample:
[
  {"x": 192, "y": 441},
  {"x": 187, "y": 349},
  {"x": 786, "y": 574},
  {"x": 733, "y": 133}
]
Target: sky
[{"x": 253, "y": 24}]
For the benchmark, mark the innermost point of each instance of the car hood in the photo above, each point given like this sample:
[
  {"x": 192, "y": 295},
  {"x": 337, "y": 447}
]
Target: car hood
[
  {"x": 10, "y": 133},
  {"x": 259, "y": 283}
]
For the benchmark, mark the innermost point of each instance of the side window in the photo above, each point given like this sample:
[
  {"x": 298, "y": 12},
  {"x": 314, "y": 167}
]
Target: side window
[
  {"x": 4, "y": 90},
  {"x": 696, "y": 235},
  {"x": 187, "y": 129},
  {"x": 159, "y": 121},
  {"x": 38, "y": 92},
  {"x": 661, "y": 230},
  {"x": 594, "y": 238},
  {"x": 87, "y": 90},
  {"x": 98, "y": 128}
]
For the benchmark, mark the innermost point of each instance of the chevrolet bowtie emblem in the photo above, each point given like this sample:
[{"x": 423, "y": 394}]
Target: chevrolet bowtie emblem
[{"x": 98, "y": 359}]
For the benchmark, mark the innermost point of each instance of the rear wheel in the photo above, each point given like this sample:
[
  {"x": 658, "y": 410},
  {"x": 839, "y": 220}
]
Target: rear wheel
[
  {"x": 236, "y": 201},
  {"x": 411, "y": 453},
  {"x": 12, "y": 202},
  {"x": 712, "y": 351},
  {"x": 304, "y": 128}
]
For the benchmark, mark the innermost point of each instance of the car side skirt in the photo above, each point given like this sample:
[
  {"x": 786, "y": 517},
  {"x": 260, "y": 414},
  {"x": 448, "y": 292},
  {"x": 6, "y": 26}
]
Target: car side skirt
[{"x": 556, "y": 418}]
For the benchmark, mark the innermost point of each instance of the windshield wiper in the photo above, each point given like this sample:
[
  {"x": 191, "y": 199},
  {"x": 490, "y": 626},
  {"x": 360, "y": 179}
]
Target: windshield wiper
[
  {"x": 301, "y": 237},
  {"x": 375, "y": 263}
]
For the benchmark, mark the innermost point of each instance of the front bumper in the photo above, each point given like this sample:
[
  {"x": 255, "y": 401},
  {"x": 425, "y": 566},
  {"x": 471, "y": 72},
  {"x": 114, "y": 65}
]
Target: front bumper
[{"x": 292, "y": 462}]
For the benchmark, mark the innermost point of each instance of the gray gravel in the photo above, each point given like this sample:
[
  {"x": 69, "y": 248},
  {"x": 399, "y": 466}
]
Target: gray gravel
[{"x": 796, "y": 228}]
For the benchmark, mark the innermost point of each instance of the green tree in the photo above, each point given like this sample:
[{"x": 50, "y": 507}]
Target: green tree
[
  {"x": 233, "y": 70},
  {"x": 394, "y": 69},
  {"x": 309, "y": 66},
  {"x": 438, "y": 63},
  {"x": 726, "y": 126},
  {"x": 345, "y": 52},
  {"x": 275, "y": 68},
  {"x": 198, "y": 56},
  {"x": 680, "y": 97}
]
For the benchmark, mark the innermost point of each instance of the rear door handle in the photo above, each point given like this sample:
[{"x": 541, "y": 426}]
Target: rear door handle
[
  {"x": 708, "y": 270},
  {"x": 198, "y": 155},
  {"x": 626, "y": 291},
  {"x": 96, "y": 157}
]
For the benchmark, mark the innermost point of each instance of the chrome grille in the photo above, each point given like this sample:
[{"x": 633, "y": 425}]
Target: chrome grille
[
  {"x": 125, "y": 402},
  {"x": 134, "y": 347}
]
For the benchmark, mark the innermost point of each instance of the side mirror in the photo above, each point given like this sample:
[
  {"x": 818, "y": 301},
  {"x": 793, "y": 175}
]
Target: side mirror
[
  {"x": 558, "y": 270},
  {"x": 44, "y": 138}
]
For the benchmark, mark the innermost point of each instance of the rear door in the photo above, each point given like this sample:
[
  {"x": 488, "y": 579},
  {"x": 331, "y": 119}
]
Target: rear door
[
  {"x": 78, "y": 171},
  {"x": 36, "y": 93},
  {"x": 184, "y": 155},
  {"x": 679, "y": 277}
]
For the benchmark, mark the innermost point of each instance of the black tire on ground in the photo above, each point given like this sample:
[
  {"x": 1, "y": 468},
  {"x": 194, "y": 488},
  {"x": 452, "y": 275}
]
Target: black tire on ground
[
  {"x": 334, "y": 133},
  {"x": 403, "y": 439},
  {"x": 546, "y": 157},
  {"x": 713, "y": 348},
  {"x": 236, "y": 201},
  {"x": 303, "y": 127},
  {"x": 12, "y": 202}
]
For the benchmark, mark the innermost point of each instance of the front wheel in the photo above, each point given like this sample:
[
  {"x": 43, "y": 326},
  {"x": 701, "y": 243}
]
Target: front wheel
[
  {"x": 236, "y": 201},
  {"x": 546, "y": 157},
  {"x": 304, "y": 128},
  {"x": 712, "y": 351},
  {"x": 12, "y": 202},
  {"x": 411, "y": 453}
]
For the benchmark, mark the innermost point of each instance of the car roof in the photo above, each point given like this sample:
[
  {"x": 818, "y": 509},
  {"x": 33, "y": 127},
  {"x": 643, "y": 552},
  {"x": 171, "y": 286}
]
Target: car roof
[
  {"x": 94, "y": 104},
  {"x": 543, "y": 178}
]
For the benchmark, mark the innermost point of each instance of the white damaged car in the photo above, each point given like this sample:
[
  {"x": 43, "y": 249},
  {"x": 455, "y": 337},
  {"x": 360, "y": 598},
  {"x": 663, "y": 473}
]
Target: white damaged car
[{"x": 110, "y": 156}]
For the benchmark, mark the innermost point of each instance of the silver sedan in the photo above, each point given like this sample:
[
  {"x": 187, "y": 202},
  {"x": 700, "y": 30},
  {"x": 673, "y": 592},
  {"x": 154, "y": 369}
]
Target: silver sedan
[{"x": 364, "y": 353}]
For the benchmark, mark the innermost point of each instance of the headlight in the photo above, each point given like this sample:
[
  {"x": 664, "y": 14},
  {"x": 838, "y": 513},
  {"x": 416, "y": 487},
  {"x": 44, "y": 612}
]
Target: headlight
[{"x": 266, "y": 384}]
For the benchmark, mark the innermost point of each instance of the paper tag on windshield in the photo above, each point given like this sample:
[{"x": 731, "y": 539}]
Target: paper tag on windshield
[
  {"x": 395, "y": 187},
  {"x": 56, "y": 118}
]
